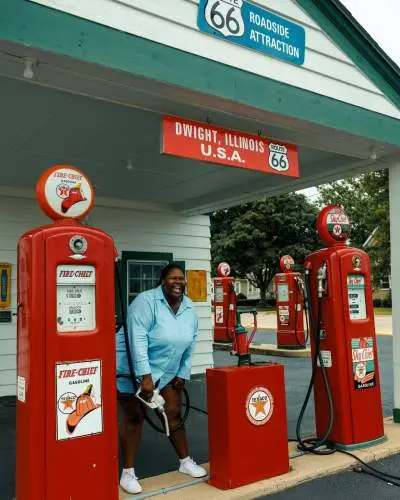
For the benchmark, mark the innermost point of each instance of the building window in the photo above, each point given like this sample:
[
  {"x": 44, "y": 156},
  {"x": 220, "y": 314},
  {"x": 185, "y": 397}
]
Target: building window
[{"x": 142, "y": 275}]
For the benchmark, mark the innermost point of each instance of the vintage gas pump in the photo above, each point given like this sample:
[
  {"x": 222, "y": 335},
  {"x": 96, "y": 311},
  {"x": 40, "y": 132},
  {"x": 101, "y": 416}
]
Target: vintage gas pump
[
  {"x": 224, "y": 304},
  {"x": 289, "y": 287},
  {"x": 66, "y": 400},
  {"x": 343, "y": 342}
]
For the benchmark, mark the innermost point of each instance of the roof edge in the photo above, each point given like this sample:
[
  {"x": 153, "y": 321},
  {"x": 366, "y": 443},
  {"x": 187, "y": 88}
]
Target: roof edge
[{"x": 356, "y": 42}]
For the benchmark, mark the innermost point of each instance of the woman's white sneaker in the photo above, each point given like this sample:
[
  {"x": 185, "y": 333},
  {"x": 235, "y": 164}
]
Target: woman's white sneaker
[
  {"x": 189, "y": 466},
  {"x": 129, "y": 482}
]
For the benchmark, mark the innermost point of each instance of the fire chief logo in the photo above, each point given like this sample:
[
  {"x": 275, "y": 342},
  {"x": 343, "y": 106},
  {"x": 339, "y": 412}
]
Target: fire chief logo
[{"x": 259, "y": 406}]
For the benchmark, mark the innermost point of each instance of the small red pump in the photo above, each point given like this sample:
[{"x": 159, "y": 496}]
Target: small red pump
[{"x": 289, "y": 287}]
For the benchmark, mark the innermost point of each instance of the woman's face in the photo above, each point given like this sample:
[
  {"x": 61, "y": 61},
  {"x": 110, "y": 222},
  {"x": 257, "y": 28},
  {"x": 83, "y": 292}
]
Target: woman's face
[{"x": 174, "y": 283}]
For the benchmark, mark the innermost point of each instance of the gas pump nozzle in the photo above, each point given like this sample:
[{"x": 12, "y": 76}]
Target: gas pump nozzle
[
  {"x": 321, "y": 279},
  {"x": 156, "y": 402}
]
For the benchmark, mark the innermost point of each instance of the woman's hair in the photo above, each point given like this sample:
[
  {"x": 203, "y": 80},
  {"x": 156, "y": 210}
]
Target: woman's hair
[{"x": 168, "y": 268}]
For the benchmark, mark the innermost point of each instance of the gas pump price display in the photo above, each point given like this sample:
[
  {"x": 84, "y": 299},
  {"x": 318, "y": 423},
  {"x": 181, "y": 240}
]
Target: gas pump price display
[
  {"x": 76, "y": 298},
  {"x": 356, "y": 296}
]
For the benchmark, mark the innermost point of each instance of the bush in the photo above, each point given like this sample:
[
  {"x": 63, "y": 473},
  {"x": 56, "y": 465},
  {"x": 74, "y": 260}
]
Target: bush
[
  {"x": 377, "y": 302},
  {"x": 241, "y": 296}
]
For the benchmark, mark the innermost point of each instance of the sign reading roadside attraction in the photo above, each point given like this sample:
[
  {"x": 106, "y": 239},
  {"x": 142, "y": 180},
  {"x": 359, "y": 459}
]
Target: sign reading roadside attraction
[
  {"x": 204, "y": 142},
  {"x": 249, "y": 25}
]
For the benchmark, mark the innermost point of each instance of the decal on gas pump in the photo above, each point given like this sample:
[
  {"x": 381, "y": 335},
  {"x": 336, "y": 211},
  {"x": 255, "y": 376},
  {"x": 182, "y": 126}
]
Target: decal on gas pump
[
  {"x": 219, "y": 314},
  {"x": 78, "y": 403},
  {"x": 362, "y": 354},
  {"x": 283, "y": 315},
  {"x": 326, "y": 359},
  {"x": 259, "y": 406}
]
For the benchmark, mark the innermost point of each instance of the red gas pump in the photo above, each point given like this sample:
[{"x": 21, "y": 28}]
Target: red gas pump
[
  {"x": 343, "y": 342},
  {"x": 224, "y": 304},
  {"x": 289, "y": 288},
  {"x": 66, "y": 398}
]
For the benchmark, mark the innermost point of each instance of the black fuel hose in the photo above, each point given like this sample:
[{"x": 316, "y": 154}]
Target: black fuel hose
[
  {"x": 132, "y": 375},
  {"x": 314, "y": 445},
  {"x": 296, "y": 333}
]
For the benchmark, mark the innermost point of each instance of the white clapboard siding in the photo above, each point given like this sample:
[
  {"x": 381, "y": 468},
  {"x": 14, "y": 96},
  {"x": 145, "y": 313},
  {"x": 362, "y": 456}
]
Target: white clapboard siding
[
  {"x": 326, "y": 70},
  {"x": 187, "y": 238}
]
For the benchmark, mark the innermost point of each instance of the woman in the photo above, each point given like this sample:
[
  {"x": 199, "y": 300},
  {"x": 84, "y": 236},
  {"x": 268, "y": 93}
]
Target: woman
[{"x": 162, "y": 329}]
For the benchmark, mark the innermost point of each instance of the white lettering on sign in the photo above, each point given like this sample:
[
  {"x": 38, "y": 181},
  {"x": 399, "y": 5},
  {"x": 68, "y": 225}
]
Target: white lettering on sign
[
  {"x": 364, "y": 354},
  {"x": 339, "y": 218}
]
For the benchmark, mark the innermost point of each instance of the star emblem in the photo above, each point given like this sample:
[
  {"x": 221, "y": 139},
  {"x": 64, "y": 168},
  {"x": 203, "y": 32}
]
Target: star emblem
[
  {"x": 67, "y": 403},
  {"x": 259, "y": 406}
]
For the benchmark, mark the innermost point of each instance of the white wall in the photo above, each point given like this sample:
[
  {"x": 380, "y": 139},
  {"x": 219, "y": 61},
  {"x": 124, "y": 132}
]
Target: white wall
[
  {"x": 188, "y": 238},
  {"x": 327, "y": 70}
]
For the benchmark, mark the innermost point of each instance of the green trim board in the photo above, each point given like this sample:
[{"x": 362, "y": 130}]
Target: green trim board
[
  {"x": 396, "y": 415},
  {"x": 359, "y": 446},
  {"x": 44, "y": 28}
]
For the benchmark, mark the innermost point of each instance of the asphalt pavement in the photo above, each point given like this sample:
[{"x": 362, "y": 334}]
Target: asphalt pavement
[
  {"x": 155, "y": 454},
  {"x": 347, "y": 485}
]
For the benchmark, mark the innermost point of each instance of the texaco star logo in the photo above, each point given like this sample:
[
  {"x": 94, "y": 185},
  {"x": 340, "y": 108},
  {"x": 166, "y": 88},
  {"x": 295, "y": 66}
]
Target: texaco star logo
[{"x": 259, "y": 406}]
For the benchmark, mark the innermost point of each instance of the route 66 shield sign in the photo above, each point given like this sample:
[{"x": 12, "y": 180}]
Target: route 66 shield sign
[
  {"x": 278, "y": 158},
  {"x": 225, "y": 16}
]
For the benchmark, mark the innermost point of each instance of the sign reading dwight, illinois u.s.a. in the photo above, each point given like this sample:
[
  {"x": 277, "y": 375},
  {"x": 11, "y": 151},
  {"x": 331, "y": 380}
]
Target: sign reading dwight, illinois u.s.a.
[{"x": 244, "y": 23}]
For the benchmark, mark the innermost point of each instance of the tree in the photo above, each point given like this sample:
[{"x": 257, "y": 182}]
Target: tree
[
  {"x": 253, "y": 237},
  {"x": 366, "y": 200}
]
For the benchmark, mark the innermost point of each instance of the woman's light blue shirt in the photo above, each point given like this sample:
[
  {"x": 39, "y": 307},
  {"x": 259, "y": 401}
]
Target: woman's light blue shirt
[{"x": 161, "y": 342}]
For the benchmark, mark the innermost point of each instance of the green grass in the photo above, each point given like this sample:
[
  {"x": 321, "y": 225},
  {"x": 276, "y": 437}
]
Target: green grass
[{"x": 383, "y": 311}]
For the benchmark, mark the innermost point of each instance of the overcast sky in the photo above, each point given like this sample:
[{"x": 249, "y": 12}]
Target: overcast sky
[{"x": 381, "y": 19}]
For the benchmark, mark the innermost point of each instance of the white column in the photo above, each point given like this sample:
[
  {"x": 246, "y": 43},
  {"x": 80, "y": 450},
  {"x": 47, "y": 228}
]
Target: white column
[{"x": 394, "y": 197}]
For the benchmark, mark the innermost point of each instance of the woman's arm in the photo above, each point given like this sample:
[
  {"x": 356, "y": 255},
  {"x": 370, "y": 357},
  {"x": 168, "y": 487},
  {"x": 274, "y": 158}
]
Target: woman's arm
[
  {"x": 185, "y": 367},
  {"x": 140, "y": 322}
]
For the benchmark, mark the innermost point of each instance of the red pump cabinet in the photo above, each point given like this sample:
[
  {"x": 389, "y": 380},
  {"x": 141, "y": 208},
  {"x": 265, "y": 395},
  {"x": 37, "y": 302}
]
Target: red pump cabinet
[
  {"x": 224, "y": 305},
  {"x": 66, "y": 399},
  {"x": 341, "y": 295}
]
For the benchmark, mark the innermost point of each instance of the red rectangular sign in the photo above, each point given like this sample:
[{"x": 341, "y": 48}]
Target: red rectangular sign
[{"x": 201, "y": 141}]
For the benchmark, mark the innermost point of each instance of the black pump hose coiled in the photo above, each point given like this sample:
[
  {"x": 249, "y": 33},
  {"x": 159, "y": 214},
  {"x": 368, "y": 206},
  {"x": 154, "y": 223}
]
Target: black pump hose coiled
[
  {"x": 132, "y": 376},
  {"x": 311, "y": 445}
]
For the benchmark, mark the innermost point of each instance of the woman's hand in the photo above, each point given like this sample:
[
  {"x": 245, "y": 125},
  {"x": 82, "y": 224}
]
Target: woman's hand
[
  {"x": 147, "y": 387},
  {"x": 178, "y": 383}
]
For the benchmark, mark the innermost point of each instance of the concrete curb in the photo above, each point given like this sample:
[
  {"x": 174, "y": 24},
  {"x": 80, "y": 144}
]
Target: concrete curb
[
  {"x": 268, "y": 350},
  {"x": 303, "y": 468}
]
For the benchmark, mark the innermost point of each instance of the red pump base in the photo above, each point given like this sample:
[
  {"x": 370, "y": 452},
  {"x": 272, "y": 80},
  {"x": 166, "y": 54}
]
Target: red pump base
[{"x": 247, "y": 427}]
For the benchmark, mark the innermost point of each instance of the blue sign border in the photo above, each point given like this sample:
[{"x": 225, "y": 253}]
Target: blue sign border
[{"x": 256, "y": 28}]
